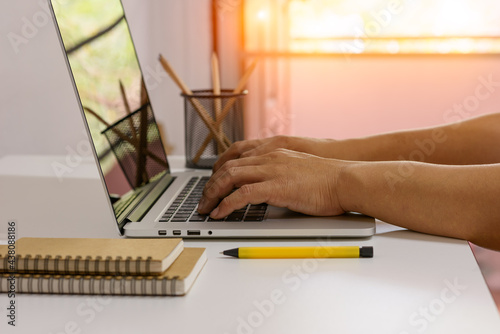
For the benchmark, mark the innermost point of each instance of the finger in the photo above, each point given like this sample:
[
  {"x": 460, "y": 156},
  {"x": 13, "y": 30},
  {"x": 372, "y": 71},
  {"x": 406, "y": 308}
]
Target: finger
[
  {"x": 224, "y": 183},
  {"x": 235, "y": 151},
  {"x": 254, "y": 193},
  {"x": 231, "y": 153},
  {"x": 259, "y": 150},
  {"x": 242, "y": 162},
  {"x": 268, "y": 145}
]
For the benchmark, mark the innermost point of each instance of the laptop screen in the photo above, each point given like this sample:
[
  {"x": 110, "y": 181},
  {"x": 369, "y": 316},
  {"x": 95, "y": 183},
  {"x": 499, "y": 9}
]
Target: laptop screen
[{"x": 114, "y": 100}]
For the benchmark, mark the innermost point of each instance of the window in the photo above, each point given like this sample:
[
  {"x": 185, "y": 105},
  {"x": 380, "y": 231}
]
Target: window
[{"x": 372, "y": 26}]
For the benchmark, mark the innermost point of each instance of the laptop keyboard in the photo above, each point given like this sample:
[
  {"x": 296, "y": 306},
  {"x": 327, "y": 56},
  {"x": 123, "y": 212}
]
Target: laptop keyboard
[{"x": 183, "y": 208}]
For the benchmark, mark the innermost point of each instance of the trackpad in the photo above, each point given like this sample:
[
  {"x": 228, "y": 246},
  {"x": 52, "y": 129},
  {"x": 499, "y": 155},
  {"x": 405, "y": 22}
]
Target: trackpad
[{"x": 275, "y": 213}]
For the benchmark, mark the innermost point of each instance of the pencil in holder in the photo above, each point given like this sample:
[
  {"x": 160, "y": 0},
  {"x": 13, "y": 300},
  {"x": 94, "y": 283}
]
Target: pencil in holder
[{"x": 204, "y": 143}]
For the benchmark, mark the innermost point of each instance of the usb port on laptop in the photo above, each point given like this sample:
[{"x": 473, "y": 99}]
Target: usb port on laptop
[{"x": 193, "y": 232}]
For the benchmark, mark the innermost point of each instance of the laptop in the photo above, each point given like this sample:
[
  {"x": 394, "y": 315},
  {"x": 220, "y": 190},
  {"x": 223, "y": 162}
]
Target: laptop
[{"x": 147, "y": 200}]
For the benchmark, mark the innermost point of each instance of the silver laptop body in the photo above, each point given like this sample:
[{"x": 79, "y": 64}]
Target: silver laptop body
[{"x": 127, "y": 145}]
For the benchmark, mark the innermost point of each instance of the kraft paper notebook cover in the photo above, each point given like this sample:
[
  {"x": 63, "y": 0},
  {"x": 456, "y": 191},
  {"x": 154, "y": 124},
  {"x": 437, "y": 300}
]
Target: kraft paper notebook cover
[
  {"x": 175, "y": 281},
  {"x": 91, "y": 256}
]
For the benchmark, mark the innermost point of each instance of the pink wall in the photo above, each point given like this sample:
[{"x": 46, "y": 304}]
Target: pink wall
[{"x": 342, "y": 97}]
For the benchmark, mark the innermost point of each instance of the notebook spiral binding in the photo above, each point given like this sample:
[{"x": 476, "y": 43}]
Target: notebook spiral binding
[
  {"x": 58, "y": 264},
  {"x": 95, "y": 285},
  {"x": 175, "y": 281}
]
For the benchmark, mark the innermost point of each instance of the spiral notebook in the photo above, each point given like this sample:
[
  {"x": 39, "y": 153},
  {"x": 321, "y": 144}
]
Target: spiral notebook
[
  {"x": 175, "y": 281},
  {"x": 91, "y": 256}
]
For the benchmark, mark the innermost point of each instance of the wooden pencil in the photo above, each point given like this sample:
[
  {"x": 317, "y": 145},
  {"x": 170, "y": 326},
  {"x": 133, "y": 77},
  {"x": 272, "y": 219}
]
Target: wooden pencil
[
  {"x": 217, "y": 101},
  {"x": 238, "y": 90},
  {"x": 196, "y": 104}
]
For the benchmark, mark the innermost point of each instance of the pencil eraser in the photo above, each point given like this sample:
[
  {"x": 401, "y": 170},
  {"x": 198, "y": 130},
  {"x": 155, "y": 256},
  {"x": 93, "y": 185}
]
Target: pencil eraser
[{"x": 366, "y": 251}]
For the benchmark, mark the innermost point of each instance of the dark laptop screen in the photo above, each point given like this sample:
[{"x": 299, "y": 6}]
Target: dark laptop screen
[{"x": 114, "y": 100}]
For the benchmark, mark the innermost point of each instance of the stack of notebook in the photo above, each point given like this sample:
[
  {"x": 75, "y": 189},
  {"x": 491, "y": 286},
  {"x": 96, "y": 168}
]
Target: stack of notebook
[{"x": 99, "y": 266}]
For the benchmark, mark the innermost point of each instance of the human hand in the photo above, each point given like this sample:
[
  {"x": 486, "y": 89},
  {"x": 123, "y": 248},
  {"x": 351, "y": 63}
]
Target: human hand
[
  {"x": 301, "y": 182},
  {"x": 256, "y": 147}
]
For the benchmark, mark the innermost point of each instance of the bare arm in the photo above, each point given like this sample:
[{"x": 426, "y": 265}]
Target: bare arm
[
  {"x": 455, "y": 193},
  {"x": 454, "y": 201},
  {"x": 474, "y": 141}
]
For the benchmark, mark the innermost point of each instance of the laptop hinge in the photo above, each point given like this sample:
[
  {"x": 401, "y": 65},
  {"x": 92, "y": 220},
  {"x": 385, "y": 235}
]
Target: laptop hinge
[
  {"x": 150, "y": 199},
  {"x": 121, "y": 225}
]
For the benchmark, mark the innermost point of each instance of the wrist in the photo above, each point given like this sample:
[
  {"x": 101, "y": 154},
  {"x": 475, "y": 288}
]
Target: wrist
[
  {"x": 346, "y": 149},
  {"x": 347, "y": 185},
  {"x": 323, "y": 148}
]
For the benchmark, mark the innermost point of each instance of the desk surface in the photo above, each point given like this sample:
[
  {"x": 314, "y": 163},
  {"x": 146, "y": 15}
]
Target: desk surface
[{"x": 415, "y": 283}]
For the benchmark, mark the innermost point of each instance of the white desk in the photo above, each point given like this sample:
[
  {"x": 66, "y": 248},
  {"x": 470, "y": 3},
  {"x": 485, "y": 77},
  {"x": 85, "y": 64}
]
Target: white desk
[{"x": 416, "y": 283}]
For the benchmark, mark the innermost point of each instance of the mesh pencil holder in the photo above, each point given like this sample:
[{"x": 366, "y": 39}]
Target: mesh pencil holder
[
  {"x": 225, "y": 111},
  {"x": 136, "y": 143}
]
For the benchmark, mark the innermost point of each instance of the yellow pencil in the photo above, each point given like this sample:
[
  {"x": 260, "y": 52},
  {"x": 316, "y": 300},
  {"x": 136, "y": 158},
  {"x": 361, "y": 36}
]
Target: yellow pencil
[{"x": 300, "y": 252}]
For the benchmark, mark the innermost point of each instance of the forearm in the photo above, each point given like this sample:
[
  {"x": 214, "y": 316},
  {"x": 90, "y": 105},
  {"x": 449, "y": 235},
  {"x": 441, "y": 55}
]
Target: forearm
[
  {"x": 475, "y": 141},
  {"x": 455, "y": 201}
]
